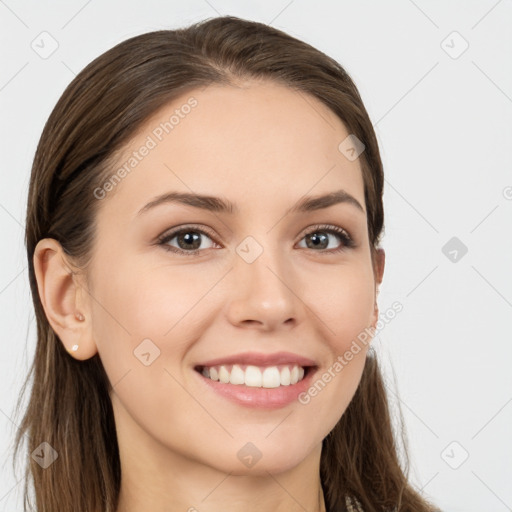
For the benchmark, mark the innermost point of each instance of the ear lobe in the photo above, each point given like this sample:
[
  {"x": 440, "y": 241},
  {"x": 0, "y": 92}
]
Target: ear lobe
[{"x": 61, "y": 297}]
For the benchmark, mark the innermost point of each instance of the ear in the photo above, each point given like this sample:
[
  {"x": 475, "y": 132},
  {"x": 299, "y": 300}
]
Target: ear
[
  {"x": 378, "y": 272},
  {"x": 64, "y": 298}
]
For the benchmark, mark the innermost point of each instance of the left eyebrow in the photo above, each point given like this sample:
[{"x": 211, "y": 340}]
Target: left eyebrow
[
  {"x": 216, "y": 204},
  {"x": 309, "y": 204}
]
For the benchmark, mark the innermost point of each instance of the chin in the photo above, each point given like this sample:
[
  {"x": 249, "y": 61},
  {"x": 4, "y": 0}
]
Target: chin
[{"x": 263, "y": 457}]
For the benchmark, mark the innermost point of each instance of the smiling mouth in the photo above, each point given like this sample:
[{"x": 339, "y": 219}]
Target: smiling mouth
[{"x": 256, "y": 376}]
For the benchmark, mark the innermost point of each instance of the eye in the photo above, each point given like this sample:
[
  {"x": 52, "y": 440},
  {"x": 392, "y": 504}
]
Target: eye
[
  {"x": 319, "y": 238},
  {"x": 187, "y": 238}
]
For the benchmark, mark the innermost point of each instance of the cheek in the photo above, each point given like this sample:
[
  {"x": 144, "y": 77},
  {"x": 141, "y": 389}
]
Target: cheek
[
  {"x": 344, "y": 302},
  {"x": 144, "y": 326},
  {"x": 140, "y": 310}
]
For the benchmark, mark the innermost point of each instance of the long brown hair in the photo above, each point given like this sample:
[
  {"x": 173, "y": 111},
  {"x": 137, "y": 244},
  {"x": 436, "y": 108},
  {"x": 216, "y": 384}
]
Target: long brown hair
[{"x": 98, "y": 113}]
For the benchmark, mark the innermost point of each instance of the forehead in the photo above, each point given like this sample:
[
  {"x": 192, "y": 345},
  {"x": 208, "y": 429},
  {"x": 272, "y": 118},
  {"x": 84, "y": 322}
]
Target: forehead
[{"x": 253, "y": 140}]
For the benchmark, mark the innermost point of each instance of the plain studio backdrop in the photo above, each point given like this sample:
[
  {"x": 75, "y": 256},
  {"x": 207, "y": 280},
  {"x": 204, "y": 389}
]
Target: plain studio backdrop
[{"x": 436, "y": 78}]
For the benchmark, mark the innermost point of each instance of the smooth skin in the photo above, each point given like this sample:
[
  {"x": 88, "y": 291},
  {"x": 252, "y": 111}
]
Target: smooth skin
[{"x": 263, "y": 147}]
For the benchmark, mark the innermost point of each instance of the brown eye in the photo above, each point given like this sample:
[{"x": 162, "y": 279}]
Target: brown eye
[
  {"x": 189, "y": 240},
  {"x": 321, "y": 238}
]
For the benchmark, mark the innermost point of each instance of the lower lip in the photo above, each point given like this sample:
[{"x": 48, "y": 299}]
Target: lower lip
[{"x": 262, "y": 398}]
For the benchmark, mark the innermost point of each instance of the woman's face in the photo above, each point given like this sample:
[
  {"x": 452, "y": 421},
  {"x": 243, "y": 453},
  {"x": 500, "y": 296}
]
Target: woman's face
[{"x": 259, "y": 288}]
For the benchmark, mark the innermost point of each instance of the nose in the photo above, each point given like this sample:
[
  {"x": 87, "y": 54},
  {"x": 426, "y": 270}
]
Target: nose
[{"x": 262, "y": 294}]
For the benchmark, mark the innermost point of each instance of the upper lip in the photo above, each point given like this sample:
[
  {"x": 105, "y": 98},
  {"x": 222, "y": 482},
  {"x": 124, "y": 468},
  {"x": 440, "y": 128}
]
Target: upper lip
[{"x": 259, "y": 359}]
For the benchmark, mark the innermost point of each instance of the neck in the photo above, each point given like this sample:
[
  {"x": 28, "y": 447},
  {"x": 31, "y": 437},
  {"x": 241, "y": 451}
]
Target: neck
[
  {"x": 161, "y": 479},
  {"x": 188, "y": 486}
]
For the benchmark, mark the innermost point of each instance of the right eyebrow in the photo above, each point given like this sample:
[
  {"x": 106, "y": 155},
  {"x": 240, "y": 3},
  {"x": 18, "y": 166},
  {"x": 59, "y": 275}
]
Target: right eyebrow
[{"x": 210, "y": 203}]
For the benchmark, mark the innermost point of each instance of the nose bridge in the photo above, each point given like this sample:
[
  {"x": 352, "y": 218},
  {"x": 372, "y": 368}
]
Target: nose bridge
[{"x": 263, "y": 284}]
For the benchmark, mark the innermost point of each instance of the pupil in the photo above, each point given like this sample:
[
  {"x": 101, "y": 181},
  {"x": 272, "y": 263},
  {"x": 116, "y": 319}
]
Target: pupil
[
  {"x": 317, "y": 239},
  {"x": 190, "y": 239}
]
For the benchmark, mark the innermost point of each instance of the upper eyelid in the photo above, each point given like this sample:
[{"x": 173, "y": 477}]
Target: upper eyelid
[{"x": 187, "y": 227}]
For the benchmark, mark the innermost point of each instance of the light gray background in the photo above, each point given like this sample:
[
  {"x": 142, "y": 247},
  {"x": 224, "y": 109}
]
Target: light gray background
[{"x": 444, "y": 125}]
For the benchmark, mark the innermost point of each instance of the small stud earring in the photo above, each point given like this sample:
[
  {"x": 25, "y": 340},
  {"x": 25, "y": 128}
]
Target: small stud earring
[
  {"x": 74, "y": 348},
  {"x": 80, "y": 317}
]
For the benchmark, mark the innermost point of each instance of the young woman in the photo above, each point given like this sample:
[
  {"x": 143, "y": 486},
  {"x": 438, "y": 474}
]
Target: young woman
[{"x": 203, "y": 227}]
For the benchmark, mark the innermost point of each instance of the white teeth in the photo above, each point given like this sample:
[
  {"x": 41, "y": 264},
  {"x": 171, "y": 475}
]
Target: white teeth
[
  {"x": 237, "y": 375},
  {"x": 223, "y": 375},
  {"x": 271, "y": 377},
  {"x": 285, "y": 376},
  {"x": 254, "y": 376},
  {"x": 294, "y": 375}
]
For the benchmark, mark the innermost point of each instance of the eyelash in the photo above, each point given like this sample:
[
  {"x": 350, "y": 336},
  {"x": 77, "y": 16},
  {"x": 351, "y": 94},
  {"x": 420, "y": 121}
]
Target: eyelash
[{"x": 347, "y": 240}]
